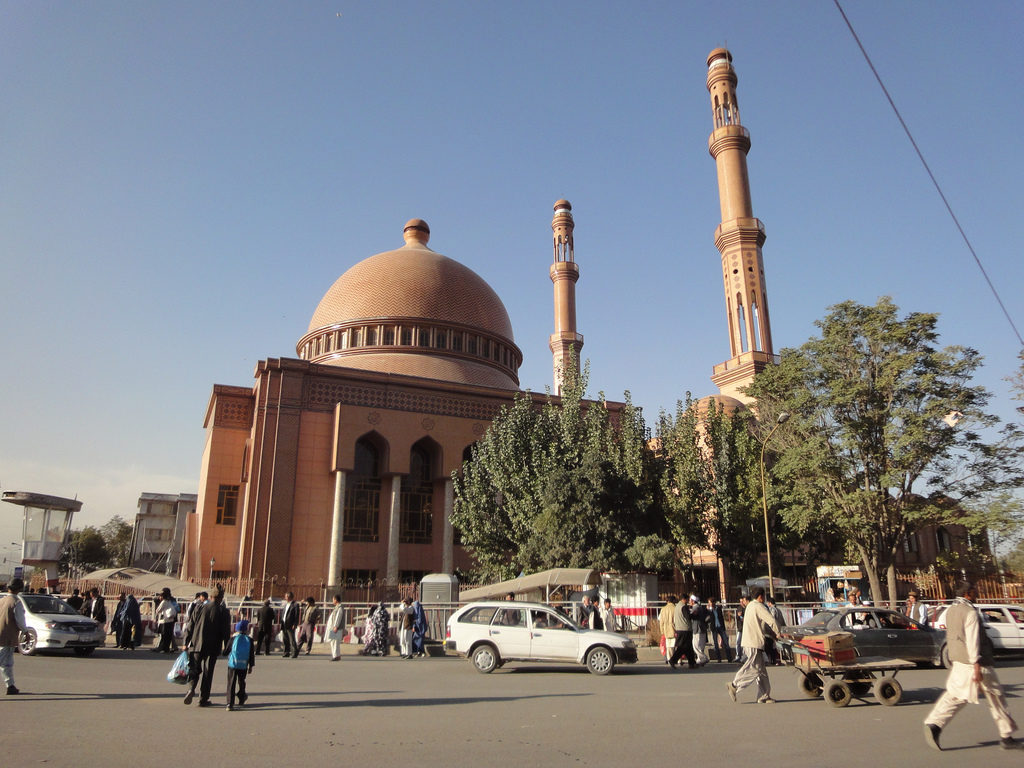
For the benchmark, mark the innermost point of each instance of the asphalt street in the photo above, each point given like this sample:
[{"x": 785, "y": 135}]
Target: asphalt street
[{"x": 116, "y": 708}]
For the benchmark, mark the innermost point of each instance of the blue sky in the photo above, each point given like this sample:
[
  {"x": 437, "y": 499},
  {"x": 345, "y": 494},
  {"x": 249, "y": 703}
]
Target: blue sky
[{"x": 181, "y": 182}]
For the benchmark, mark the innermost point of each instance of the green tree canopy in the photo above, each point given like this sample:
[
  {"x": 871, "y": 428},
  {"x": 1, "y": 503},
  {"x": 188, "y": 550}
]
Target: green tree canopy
[
  {"x": 887, "y": 432},
  {"x": 117, "y": 534},
  {"x": 557, "y": 484},
  {"x": 86, "y": 550}
]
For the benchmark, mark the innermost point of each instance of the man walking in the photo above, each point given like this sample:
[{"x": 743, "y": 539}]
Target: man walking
[
  {"x": 12, "y": 623},
  {"x": 758, "y": 623},
  {"x": 970, "y": 651},
  {"x": 719, "y": 635},
  {"x": 209, "y": 636},
  {"x": 682, "y": 623},
  {"x": 265, "y": 619},
  {"x": 699, "y": 617}
]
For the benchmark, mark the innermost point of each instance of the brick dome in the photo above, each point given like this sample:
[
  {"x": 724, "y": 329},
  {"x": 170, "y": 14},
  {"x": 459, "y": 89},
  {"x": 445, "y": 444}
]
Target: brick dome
[{"x": 415, "y": 312}]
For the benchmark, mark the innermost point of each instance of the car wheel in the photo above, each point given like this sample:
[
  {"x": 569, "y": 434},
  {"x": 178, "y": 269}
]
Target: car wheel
[
  {"x": 84, "y": 651},
  {"x": 888, "y": 691},
  {"x": 944, "y": 661},
  {"x": 838, "y": 693},
  {"x": 27, "y": 642},
  {"x": 810, "y": 685},
  {"x": 600, "y": 660},
  {"x": 485, "y": 658}
]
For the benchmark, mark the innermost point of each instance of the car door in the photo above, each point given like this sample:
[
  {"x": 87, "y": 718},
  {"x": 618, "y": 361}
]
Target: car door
[
  {"x": 553, "y": 637},
  {"x": 510, "y": 633},
  {"x": 905, "y": 639},
  {"x": 1017, "y": 619},
  {"x": 867, "y": 638},
  {"x": 1000, "y": 626}
]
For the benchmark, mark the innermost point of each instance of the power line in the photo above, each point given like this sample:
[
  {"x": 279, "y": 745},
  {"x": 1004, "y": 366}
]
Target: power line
[{"x": 931, "y": 175}]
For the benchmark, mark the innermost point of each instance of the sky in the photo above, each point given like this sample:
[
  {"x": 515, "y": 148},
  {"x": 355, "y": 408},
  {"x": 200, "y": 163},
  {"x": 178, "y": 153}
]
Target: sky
[{"x": 180, "y": 183}]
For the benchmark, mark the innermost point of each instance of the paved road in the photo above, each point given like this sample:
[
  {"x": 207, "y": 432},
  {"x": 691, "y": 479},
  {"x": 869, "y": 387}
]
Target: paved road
[{"x": 115, "y": 709}]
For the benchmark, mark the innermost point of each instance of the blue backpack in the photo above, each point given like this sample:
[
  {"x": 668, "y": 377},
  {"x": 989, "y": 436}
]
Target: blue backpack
[{"x": 240, "y": 648}]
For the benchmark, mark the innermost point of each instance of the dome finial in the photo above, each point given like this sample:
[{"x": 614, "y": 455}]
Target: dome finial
[{"x": 416, "y": 231}]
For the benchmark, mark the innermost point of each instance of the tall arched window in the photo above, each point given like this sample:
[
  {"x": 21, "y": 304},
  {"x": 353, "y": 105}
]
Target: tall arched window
[
  {"x": 943, "y": 540},
  {"x": 362, "y": 495},
  {"x": 417, "y": 500}
]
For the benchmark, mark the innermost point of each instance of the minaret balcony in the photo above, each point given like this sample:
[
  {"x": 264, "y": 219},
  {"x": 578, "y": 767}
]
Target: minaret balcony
[{"x": 729, "y": 137}]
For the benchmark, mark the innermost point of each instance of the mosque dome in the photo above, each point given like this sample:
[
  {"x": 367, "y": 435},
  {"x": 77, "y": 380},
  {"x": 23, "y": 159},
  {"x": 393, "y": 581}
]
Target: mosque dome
[
  {"x": 729, "y": 405},
  {"x": 415, "y": 312}
]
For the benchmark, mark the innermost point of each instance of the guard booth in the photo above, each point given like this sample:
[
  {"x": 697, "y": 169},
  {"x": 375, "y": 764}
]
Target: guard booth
[{"x": 44, "y": 528}]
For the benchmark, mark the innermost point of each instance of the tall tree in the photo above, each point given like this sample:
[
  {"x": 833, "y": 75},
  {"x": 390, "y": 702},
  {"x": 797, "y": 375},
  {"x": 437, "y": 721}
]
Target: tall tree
[
  {"x": 557, "y": 484},
  {"x": 117, "y": 534},
  {"x": 887, "y": 431},
  {"x": 86, "y": 550}
]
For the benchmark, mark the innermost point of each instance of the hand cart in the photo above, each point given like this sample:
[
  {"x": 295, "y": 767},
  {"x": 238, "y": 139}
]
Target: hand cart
[{"x": 842, "y": 682}]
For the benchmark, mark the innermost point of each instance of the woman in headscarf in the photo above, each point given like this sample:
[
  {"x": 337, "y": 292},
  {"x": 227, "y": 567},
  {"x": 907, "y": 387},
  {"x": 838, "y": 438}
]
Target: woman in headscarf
[
  {"x": 377, "y": 631},
  {"x": 419, "y": 629}
]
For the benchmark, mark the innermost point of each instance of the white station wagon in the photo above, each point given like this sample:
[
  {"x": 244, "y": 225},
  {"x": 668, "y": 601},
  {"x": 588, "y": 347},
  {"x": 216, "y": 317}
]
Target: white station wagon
[{"x": 491, "y": 633}]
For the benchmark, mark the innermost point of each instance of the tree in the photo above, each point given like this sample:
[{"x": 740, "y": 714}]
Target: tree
[
  {"x": 86, "y": 550},
  {"x": 557, "y": 484},
  {"x": 886, "y": 432},
  {"x": 117, "y": 534},
  {"x": 711, "y": 481}
]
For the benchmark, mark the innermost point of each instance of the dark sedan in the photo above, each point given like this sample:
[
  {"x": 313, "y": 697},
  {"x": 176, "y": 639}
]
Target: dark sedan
[{"x": 880, "y": 632}]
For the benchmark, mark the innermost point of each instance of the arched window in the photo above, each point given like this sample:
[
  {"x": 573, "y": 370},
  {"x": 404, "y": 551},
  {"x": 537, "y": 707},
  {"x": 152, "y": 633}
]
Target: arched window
[
  {"x": 943, "y": 540},
  {"x": 417, "y": 499},
  {"x": 362, "y": 495}
]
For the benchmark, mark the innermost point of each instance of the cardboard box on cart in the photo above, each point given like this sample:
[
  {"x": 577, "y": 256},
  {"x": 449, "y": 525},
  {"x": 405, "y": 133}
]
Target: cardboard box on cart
[{"x": 827, "y": 650}]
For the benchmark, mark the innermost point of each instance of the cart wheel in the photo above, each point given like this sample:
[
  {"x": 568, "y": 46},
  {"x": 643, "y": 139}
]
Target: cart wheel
[
  {"x": 888, "y": 691},
  {"x": 810, "y": 685},
  {"x": 838, "y": 693}
]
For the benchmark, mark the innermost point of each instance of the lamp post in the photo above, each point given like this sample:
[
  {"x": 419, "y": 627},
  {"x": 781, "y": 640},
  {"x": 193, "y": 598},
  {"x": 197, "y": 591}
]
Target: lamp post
[{"x": 779, "y": 421}]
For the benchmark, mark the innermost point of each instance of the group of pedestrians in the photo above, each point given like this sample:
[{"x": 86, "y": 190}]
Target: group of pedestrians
[{"x": 690, "y": 623}]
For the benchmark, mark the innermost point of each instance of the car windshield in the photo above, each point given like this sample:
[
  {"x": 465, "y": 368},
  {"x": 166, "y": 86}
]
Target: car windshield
[{"x": 47, "y": 604}]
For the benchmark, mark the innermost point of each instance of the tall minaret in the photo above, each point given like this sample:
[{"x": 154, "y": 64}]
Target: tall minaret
[
  {"x": 739, "y": 237},
  {"x": 564, "y": 342}
]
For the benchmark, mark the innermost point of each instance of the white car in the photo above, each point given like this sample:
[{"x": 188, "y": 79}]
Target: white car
[
  {"x": 1004, "y": 624},
  {"x": 53, "y": 624},
  {"x": 491, "y": 633}
]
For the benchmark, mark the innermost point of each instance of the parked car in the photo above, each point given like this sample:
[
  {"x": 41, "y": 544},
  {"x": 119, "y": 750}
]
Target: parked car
[
  {"x": 881, "y": 632},
  {"x": 53, "y": 624},
  {"x": 492, "y": 633},
  {"x": 1004, "y": 624}
]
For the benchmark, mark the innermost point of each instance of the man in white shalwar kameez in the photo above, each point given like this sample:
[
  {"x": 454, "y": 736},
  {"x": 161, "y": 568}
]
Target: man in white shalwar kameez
[{"x": 971, "y": 654}]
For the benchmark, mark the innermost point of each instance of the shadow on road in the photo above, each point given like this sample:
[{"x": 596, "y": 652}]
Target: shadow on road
[{"x": 414, "y": 702}]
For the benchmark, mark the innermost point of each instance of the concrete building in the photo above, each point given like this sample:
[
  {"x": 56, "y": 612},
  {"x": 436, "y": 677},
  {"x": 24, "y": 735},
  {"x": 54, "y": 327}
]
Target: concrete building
[{"x": 159, "y": 531}]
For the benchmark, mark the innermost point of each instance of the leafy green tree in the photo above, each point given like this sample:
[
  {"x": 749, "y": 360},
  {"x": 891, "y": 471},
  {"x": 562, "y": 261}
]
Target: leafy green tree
[
  {"x": 117, "y": 534},
  {"x": 558, "y": 484},
  {"x": 886, "y": 432},
  {"x": 86, "y": 550}
]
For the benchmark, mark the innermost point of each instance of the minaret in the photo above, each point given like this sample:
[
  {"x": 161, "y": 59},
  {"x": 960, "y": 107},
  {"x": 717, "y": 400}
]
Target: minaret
[
  {"x": 564, "y": 342},
  {"x": 739, "y": 237}
]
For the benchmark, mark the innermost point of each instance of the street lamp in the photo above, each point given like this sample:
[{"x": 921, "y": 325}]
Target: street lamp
[{"x": 779, "y": 421}]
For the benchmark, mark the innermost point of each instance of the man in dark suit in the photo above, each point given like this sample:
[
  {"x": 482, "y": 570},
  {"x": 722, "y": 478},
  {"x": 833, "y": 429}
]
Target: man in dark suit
[
  {"x": 265, "y": 620},
  {"x": 289, "y": 621},
  {"x": 209, "y": 636}
]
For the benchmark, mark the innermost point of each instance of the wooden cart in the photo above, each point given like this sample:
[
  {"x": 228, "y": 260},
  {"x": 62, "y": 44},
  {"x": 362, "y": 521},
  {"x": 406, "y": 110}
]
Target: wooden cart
[{"x": 840, "y": 683}]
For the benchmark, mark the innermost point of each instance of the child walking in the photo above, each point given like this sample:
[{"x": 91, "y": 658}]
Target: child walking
[{"x": 241, "y": 660}]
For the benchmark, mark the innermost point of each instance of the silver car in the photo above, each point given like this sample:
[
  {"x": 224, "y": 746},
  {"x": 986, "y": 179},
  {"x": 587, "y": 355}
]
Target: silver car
[{"x": 53, "y": 624}]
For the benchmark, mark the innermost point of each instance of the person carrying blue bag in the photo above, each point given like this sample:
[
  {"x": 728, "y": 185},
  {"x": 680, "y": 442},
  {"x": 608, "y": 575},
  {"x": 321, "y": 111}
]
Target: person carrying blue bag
[{"x": 241, "y": 660}]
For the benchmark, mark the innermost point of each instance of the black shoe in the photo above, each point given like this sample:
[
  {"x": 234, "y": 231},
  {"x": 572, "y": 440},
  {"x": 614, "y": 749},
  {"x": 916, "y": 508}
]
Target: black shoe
[
  {"x": 188, "y": 697},
  {"x": 295, "y": 655},
  {"x": 204, "y": 703},
  {"x": 931, "y": 736},
  {"x": 12, "y": 691},
  {"x": 242, "y": 700},
  {"x": 1011, "y": 743}
]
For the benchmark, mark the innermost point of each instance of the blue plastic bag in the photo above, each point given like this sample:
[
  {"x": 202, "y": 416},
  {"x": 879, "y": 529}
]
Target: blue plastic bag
[{"x": 179, "y": 670}]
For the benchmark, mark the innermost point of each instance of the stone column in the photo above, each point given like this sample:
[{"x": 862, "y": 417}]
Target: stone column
[
  {"x": 448, "y": 535},
  {"x": 337, "y": 530},
  {"x": 394, "y": 527}
]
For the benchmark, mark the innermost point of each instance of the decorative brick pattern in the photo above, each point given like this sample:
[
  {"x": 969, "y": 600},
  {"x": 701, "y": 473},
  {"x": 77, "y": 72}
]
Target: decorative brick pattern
[
  {"x": 236, "y": 414},
  {"x": 323, "y": 395}
]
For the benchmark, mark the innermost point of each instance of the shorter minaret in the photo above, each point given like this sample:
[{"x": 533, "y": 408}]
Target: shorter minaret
[
  {"x": 565, "y": 342},
  {"x": 738, "y": 238}
]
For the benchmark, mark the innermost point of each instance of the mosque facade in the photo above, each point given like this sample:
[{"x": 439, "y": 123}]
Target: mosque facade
[{"x": 335, "y": 465}]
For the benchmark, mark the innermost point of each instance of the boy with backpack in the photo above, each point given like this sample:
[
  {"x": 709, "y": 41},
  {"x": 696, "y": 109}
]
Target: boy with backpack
[{"x": 241, "y": 660}]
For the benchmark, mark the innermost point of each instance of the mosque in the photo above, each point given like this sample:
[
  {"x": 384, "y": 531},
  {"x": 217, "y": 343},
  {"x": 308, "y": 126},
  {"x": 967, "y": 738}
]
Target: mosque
[{"x": 331, "y": 466}]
